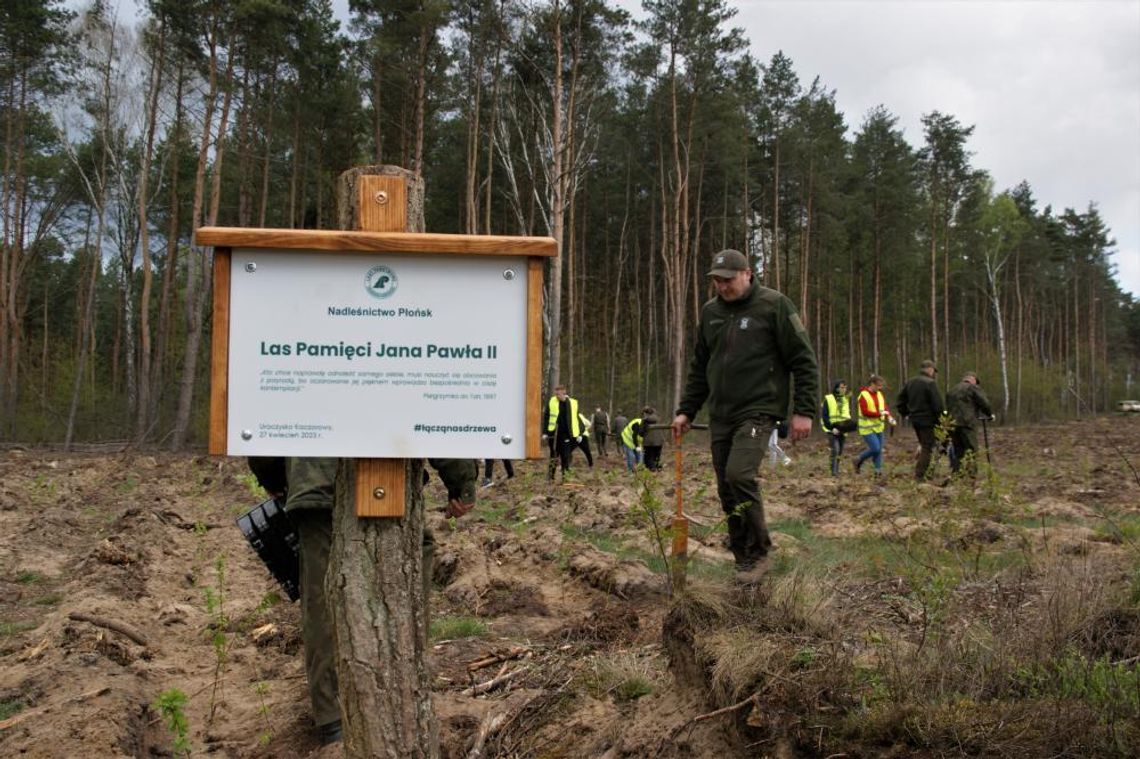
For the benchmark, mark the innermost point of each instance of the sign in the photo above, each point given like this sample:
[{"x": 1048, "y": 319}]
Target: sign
[{"x": 376, "y": 355}]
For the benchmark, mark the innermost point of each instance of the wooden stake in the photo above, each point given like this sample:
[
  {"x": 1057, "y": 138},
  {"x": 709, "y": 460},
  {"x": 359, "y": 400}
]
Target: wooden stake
[{"x": 382, "y": 206}]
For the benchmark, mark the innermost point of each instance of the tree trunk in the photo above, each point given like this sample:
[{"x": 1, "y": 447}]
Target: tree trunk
[
  {"x": 992, "y": 274},
  {"x": 12, "y": 260},
  {"x": 170, "y": 269},
  {"x": 98, "y": 197},
  {"x": 427, "y": 34},
  {"x": 196, "y": 299},
  {"x": 775, "y": 246},
  {"x": 934, "y": 280},
  {"x": 557, "y": 213},
  {"x": 143, "y": 409},
  {"x": 492, "y": 120},
  {"x": 271, "y": 108},
  {"x": 375, "y": 586}
]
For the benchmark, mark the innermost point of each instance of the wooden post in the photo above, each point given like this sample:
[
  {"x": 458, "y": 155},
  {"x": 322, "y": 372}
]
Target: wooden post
[
  {"x": 375, "y": 582},
  {"x": 380, "y": 202}
]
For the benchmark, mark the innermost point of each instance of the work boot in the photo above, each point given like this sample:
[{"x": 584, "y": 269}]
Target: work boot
[
  {"x": 330, "y": 733},
  {"x": 750, "y": 575}
]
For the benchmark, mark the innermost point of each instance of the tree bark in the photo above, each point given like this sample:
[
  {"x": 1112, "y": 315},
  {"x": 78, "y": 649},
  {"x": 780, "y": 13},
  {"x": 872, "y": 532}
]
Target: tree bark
[
  {"x": 557, "y": 212},
  {"x": 143, "y": 409},
  {"x": 375, "y": 586},
  {"x": 195, "y": 269},
  {"x": 166, "y": 305}
]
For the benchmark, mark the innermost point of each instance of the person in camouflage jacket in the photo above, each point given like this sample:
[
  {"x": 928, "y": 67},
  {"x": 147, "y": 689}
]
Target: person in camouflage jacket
[{"x": 965, "y": 403}]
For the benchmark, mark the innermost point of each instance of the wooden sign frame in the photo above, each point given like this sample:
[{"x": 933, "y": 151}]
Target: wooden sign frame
[{"x": 380, "y": 482}]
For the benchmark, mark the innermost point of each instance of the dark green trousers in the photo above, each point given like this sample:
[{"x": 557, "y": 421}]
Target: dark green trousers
[
  {"x": 965, "y": 441},
  {"x": 737, "y": 451},
  {"x": 314, "y": 528}
]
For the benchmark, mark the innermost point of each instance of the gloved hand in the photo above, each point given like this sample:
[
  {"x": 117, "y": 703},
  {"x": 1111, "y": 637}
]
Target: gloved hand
[
  {"x": 545, "y": 437},
  {"x": 639, "y": 449},
  {"x": 457, "y": 507},
  {"x": 578, "y": 440},
  {"x": 835, "y": 431}
]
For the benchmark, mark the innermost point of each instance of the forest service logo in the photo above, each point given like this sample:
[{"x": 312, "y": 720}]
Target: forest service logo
[{"x": 381, "y": 282}]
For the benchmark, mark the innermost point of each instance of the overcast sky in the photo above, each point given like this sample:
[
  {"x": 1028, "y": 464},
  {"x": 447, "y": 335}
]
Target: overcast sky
[{"x": 1052, "y": 87}]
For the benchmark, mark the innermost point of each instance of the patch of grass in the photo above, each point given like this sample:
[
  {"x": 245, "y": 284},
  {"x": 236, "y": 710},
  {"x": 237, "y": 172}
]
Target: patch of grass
[
  {"x": 15, "y": 628},
  {"x": 603, "y": 540},
  {"x": 498, "y": 513},
  {"x": 1038, "y": 522},
  {"x": 1111, "y": 689},
  {"x": 873, "y": 687},
  {"x": 128, "y": 485},
  {"x": 1122, "y": 528},
  {"x": 804, "y": 658},
  {"x": 800, "y": 529},
  {"x": 632, "y": 689},
  {"x": 51, "y": 599},
  {"x": 249, "y": 480},
  {"x": 269, "y": 600},
  {"x": 10, "y": 707},
  {"x": 871, "y": 557},
  {"x": 607, "y": 542},
  {"x": 44, "y": 489},
  {"x": 623, "y": 676},
  {"x": 452, "y": 627},
  {"x": 27, "y": 577},
  {"x": 718, "y": 572},
  {"x": 863, "y": 556}
]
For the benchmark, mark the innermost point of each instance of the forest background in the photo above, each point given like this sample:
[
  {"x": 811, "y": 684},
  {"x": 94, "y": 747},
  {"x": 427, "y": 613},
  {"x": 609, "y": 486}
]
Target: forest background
[{"x": 641, "y": 147}]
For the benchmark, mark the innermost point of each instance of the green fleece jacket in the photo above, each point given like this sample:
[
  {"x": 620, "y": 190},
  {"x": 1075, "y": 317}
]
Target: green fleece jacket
[{"x": 747, "y": 354}]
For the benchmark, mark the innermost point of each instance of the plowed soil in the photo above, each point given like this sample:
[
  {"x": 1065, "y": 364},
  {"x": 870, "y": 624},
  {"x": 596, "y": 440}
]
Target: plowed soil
[{"x": 123, "y": 576}]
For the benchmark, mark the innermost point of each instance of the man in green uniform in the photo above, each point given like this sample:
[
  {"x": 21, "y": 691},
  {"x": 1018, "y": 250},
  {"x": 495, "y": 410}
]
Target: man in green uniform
[
  {"x": 750, "y": 344},
  {"x": 311, "y": 484},
  {"x": 921, "y": 403},
  {"x": 601, "y": 429},
  {"x": 965, "y": 402}
]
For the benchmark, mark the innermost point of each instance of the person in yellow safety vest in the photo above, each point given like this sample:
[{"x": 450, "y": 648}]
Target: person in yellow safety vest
[
  {"x": 835, "y": 416},
  {"x": 585, "y": 425},
  {"x": 563, "y": 430},
  {"x": 874, "y": 416},
  {"x": 632, "y": 442}
]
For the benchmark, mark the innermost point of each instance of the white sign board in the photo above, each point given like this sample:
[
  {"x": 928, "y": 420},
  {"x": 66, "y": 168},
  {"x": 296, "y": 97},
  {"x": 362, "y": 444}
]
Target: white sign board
[{"x": 369, "y": 355}]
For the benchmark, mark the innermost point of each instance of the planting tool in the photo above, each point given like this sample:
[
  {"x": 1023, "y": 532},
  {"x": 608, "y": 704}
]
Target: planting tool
[{"x": 986, "y": 437}]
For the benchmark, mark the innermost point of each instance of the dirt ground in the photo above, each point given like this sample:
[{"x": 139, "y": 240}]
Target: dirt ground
[{"x": 123, "y": 576}]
